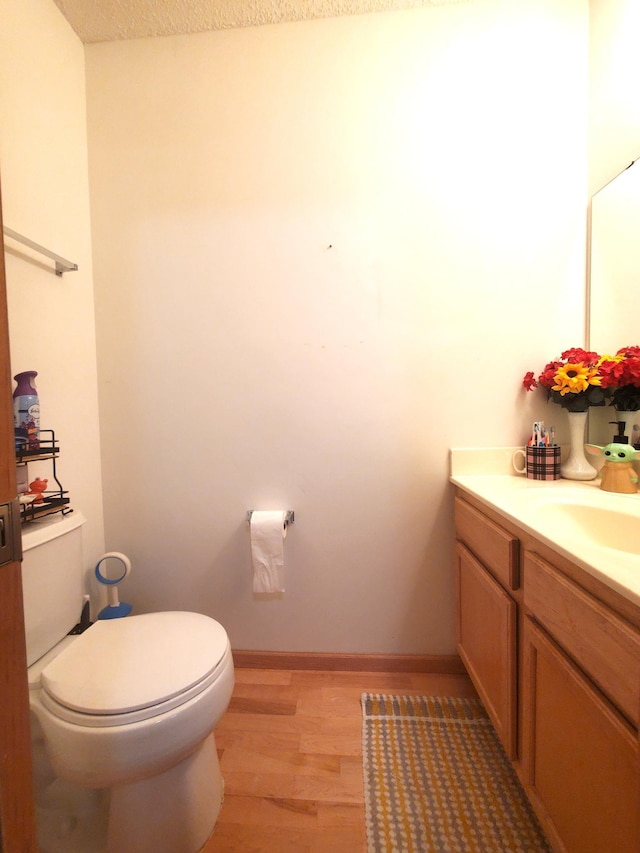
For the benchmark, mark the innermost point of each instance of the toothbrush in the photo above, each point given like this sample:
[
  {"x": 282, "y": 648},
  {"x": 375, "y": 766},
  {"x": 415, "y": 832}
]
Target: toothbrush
[{"x": 537, "y": 433}]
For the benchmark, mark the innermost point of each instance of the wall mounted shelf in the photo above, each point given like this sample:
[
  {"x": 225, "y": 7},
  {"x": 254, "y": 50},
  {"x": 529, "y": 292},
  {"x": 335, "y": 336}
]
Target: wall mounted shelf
[{"x": 53, "y": 500}]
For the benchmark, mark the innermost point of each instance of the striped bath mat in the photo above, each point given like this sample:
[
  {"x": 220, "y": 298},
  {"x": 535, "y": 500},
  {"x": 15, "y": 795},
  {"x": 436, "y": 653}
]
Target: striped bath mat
[{"x": 436, "y": 778}]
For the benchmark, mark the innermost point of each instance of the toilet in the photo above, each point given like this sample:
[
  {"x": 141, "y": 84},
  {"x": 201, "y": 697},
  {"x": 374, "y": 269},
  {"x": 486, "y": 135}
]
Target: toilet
[{"x": 124, "y": 712}]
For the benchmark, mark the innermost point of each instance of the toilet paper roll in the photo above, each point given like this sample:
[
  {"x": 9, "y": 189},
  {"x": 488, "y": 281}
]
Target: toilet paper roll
[{"x": 268, "y": 532}]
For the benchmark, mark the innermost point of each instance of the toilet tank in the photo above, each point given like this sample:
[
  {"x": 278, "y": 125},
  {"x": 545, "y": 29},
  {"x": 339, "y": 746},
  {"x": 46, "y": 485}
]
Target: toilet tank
[{"x": 52, "y": 582}]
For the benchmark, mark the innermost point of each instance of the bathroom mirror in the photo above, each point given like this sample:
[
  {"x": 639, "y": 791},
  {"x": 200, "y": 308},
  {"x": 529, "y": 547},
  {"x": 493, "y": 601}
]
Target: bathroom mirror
[
  {"x": 614, "y": 287},
  {"x": 613, "y": 292}
]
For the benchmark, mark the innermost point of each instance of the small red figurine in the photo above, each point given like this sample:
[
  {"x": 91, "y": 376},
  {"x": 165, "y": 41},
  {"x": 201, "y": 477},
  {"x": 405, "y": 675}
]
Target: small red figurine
[{"x": 37, "y": 487}]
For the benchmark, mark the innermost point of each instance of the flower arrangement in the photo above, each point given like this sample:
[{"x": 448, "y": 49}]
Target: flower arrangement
[
  {"x": 621, "y": 374},
  {"x": 575, "y": 381}
]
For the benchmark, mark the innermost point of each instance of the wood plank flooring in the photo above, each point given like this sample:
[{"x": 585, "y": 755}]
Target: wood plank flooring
[{"x": 291, "y": 756}]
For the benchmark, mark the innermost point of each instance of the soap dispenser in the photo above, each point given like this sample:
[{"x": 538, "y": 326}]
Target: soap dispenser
[
  {"x": 620, "y": 438},
  {"x": 617, "y": 473}
]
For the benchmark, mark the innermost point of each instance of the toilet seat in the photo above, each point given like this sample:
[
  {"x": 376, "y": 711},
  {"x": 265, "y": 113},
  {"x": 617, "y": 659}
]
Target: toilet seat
[{"x": 126, "y": 670}]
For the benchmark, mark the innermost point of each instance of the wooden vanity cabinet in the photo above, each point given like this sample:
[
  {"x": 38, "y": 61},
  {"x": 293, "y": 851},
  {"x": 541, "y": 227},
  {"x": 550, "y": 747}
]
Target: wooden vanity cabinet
[
  {"x": 580, "y": 708},
  {"x": 555, "y": 657},
  {"x": 487, "y": 618}
]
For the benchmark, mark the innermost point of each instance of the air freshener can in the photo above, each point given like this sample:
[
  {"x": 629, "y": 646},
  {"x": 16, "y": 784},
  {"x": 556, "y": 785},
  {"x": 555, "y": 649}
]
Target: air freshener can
[{"x": 26, "y": 408}]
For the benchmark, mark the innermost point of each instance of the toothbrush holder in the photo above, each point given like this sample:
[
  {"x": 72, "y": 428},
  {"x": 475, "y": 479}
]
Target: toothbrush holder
[{"x": 538, "y": 463}]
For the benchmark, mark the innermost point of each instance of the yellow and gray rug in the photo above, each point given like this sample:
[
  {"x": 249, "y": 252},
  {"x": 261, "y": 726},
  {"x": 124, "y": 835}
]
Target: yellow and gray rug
[{"x": 436, "y": 778}]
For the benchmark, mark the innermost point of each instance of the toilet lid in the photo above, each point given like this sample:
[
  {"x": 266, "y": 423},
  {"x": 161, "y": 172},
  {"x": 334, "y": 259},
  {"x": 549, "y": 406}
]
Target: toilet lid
[{"x": 122, "y": 665}]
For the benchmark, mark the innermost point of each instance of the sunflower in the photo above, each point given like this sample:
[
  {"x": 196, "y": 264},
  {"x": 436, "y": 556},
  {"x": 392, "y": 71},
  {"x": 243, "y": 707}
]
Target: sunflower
[{"x": 574, "y": 378}]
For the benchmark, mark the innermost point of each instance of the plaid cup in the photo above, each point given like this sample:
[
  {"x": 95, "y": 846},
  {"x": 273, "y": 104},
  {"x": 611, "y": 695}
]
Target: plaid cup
[{"x": 543, "y": 463}]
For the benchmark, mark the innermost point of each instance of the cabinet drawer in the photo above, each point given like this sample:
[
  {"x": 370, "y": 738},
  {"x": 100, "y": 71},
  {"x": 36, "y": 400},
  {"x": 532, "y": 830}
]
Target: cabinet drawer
[
  {"x": 602, "y": 644},
  {"x": 497, "y": 549}
]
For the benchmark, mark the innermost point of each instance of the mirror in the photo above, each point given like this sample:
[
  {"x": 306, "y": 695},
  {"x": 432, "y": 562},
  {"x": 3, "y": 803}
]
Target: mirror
[
  {"x": 615, "y": 263},
  {"x": 614, "y": 277}
]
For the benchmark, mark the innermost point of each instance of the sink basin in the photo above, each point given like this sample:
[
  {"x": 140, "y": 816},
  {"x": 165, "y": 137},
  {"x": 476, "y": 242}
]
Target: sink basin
[
  {"x": 598, "y": 531},
  {"x": 604, "y": 526}
]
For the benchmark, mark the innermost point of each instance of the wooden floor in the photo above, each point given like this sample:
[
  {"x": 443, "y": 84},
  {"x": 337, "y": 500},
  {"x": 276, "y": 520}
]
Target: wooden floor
[{"x": 291, "y": 757}]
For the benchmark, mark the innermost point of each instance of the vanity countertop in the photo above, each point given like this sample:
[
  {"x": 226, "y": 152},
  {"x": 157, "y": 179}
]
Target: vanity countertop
[{"x": 577, "y": 519}]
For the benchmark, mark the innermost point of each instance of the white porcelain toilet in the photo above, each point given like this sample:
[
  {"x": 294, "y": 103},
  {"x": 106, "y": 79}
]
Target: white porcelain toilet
[{"x": 128, "y": 706}]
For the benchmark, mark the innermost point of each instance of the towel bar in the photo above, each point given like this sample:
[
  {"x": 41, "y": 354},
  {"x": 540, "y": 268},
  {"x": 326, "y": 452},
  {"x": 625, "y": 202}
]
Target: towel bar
[{"x": 62, "y": 264}]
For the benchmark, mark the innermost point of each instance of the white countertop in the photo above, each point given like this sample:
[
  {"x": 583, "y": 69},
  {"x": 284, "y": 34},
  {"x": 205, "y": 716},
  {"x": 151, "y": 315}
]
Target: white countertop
[{"x": 489, "y": 476}]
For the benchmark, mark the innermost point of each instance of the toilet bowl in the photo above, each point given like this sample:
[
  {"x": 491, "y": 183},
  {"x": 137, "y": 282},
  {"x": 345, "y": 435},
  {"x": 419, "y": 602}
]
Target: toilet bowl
[{"x": 129, "y": 707}]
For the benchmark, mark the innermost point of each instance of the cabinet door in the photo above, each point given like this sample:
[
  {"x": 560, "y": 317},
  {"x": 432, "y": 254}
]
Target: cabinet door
[
  {"x": 17, "y": 821},
  {"x": 581, "y": 759},
  {"x": 487, "y": 624}
]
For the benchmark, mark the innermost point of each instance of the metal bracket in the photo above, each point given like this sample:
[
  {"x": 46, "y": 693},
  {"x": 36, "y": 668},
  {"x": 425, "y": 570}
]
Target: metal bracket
[
  {"x": 10, "y": 533},
  {"x": 288, "y": 518}
]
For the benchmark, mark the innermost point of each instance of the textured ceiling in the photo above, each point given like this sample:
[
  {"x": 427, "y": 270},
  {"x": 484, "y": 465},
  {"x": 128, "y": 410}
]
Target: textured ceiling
[{"x": 113, "y": 20}]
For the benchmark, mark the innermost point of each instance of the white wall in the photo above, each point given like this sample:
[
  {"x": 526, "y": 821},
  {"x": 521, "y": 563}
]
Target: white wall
[
  {"x": 45, "y": 196},
  {"x": 395, "y": 138},
  {"x": 325, "y": 253}
]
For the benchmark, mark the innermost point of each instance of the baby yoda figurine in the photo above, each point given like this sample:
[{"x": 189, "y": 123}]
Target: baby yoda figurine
[{"x": 617, "y": 472}]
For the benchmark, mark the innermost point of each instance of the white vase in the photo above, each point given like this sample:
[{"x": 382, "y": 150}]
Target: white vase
[{"x": 577, "y": 466}]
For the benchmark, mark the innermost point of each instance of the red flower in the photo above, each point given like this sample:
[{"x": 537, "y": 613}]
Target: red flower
[
  {"x": 630, "y": 351},
  {"x": 529, "y": 381},
  {"x": 611, "y": 373},
  {"x": 548, "y": 375},
  {"x": 577, "y": 355},
  {"x": 630, "y": 366}
]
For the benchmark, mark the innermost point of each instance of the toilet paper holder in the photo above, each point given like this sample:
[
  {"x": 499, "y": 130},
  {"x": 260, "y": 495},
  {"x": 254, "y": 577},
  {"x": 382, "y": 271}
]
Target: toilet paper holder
[{"x": 288, "y": 518}]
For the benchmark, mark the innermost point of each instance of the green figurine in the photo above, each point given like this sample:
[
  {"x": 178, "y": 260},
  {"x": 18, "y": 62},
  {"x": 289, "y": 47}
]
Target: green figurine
[{"x": 618, "y": 474}]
